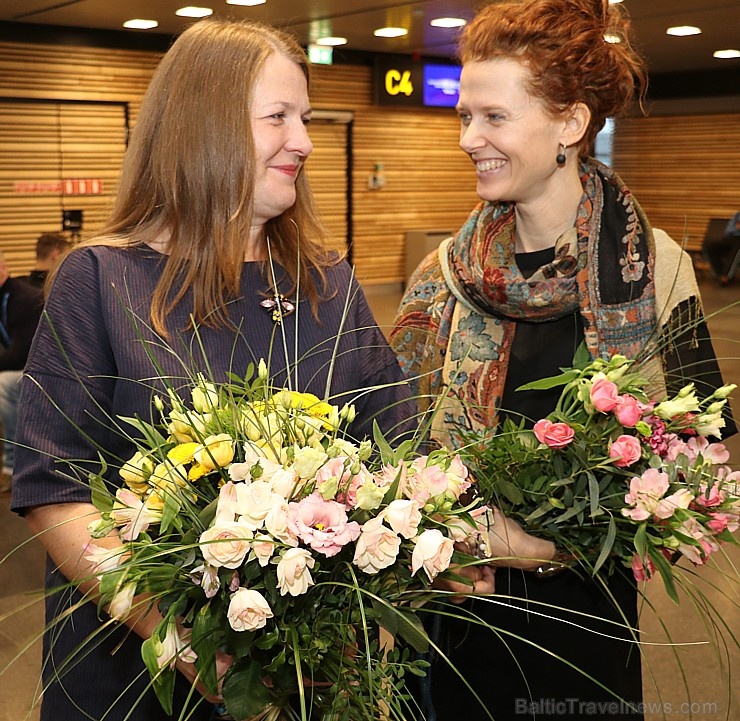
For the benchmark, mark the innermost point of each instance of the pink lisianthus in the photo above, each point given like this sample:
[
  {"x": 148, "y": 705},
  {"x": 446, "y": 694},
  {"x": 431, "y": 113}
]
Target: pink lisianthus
[
  {"x": 322, "y": 525},
  {"x": 677, "y": 447},
  {"x": 554, "y": 435},
  {"x": 624, "y": 451},
  {"x": 646, "y": 497},
  {"x": 604, "y": 394},
  {"x": 424, "y": 481},
  {"x": 628, "y": 410}
]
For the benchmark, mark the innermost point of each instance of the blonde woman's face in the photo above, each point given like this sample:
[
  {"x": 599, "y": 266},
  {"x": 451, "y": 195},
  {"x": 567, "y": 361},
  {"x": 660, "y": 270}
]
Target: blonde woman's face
[{"x": 280, "y": 114}]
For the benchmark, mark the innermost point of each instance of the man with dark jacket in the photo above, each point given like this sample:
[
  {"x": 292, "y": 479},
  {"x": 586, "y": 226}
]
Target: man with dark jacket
[{"x": 20, "y": 310}]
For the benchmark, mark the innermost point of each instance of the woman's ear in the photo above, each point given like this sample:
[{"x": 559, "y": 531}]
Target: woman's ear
[{"x": 577, "y": 118}]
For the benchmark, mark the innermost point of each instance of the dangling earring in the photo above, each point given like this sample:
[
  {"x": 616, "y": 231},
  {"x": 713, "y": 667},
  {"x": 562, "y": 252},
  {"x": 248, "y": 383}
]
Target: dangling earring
[{"x": 560, "y": 157}]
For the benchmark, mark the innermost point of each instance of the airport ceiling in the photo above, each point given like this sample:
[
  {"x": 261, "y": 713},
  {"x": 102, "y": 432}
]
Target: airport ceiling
[{"x": 356, "y": 20}]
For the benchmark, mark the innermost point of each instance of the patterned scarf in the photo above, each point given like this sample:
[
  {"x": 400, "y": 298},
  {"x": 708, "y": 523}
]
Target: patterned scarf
[{"x": 457, "y": 322}]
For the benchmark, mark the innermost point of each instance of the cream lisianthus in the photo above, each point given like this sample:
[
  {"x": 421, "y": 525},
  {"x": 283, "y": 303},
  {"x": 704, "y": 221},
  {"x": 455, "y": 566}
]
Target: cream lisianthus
[
  {"x": 307, "y": 461},
  {"x": 205, "y": 396}
]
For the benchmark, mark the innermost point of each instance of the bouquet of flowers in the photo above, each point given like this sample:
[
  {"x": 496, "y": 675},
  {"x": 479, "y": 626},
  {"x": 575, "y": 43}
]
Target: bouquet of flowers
[
  {"x": 260, "y": 531},
  {"x": 613, "y": 477}
]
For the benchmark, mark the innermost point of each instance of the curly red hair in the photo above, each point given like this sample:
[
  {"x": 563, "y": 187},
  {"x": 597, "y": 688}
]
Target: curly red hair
[{"x": 563, "y": 44}]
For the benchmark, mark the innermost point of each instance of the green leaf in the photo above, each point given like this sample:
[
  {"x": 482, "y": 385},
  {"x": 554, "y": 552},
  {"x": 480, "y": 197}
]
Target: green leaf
[
  {"x": 244, "y": 692},
  {"x": 666, "y": 572},
  {"x": 401, "y": 623},
  {"x": 546, "y": 383},
  {"x": 102, "y": 498},
  {"x": 641, "y": 540},
  {"x": 171, "y": 510},
  {"x": 607, "y": 545},
  {"x": 206, "y": 638},
  {"x": 150, "y": 433},
  {"x": 593, "y": 493},
  {"x": 386, "y": 452}
]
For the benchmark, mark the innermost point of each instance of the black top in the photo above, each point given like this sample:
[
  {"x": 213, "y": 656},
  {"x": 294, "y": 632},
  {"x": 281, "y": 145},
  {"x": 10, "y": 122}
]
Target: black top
[
  {"x": 96, "y": 359},
  {"x": 20, "y": 309}
]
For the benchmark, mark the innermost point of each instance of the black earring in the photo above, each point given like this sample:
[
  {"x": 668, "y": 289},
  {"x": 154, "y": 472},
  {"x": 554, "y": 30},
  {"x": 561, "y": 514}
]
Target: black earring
[{"x": 560, "y": 157}]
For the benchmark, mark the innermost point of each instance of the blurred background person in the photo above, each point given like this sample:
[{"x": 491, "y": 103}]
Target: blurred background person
[{"x": 50, "y": 248}]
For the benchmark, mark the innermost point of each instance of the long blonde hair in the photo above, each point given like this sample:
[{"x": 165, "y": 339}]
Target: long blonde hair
[{"x": 189, "y": 172}]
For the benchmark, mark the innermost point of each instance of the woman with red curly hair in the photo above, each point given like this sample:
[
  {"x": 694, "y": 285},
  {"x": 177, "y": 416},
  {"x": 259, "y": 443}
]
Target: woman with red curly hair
[{"x": 557, "y": 254}]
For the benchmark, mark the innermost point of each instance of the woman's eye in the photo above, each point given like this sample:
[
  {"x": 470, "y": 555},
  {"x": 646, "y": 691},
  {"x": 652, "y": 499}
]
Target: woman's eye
[
  {"x": 278, "y": 116},
  {"x": 305, "y": 120}
]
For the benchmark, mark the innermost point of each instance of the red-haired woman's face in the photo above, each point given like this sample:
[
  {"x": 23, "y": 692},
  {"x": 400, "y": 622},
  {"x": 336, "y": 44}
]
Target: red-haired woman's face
[{"x": 507, "y": 132}]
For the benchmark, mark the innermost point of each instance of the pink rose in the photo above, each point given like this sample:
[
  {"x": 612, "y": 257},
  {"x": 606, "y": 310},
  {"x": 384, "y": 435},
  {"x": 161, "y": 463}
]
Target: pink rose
[
  {"x": 604, "y": 395},
  {"x": 625, "y": 451},
  {"x": 432, "y": 552},
  {"x": 628, "y": 410},
  {"x": 554, "y": 435},
  {"x": 377, "y": 547},
  {"x": 321, "y": 524}
]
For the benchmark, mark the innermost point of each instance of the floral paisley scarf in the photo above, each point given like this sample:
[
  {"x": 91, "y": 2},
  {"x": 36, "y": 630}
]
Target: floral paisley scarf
[{"x": 458, "y": 318}]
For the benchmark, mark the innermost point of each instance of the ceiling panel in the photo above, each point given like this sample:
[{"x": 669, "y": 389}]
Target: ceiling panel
[{"x": 356, "y": 19}]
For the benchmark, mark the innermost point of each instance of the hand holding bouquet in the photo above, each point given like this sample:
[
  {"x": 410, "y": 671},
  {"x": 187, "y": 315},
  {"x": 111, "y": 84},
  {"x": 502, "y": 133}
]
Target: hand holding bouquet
[
  {"x": 613, "y": 477},
  {"x": 260, "y": 531}
]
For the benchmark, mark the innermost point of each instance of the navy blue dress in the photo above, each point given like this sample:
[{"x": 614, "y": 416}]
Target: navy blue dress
[{"x": 94, "y": 358}]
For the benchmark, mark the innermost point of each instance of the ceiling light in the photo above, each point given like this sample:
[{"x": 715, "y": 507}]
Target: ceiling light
[
  {"x": 331, "y": 41},
  {"x": 139, "y": 24},
  {"x": 390, "y": 32},
  {"x": 246, "y": 2},
  {"x": 683, "y": 30},
  {"x": 614, "y": 2},
  {"x": 727, "y": 53},
  {"x": 194, "y": 12},
  {"x": 447, "y": 22},
  {"x": 611, "y": 38}
]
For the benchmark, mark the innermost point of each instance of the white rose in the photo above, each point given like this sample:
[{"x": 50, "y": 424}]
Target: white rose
[
  {"x": 254, "y": 501},
  {"x": 377, "y": 547},
  {"x": 308, "y": 460},
  {"x": 262, "y": 549},
  {"x": 276, "y": 523},
  {"x": 432, "y": 552},
  {"x": 248, "y": 610},
  {"x": 293, "y": 571},
  {"x": 403, "y": 516},
  {"x": 226, "y": 544}
]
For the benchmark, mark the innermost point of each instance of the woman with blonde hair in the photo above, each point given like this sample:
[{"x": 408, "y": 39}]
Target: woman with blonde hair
[
  {"x": 558, "y": 253},
  {"x": 212, "y": 259}
]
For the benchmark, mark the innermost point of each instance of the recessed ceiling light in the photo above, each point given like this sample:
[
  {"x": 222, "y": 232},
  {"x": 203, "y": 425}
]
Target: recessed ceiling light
[
  {"x": 447, "y": 22},
  {"x": 727, "y": 53},
  {"x": 331, "y": 41},
  {"x": 614, "y": 2},
  {"x": 683, "y": 30},
  {"x": 246, "y": 2},
  {"x": 191, "y": 11},
  {"x": 611, "y": 38},
  {"x": 139, "y": 24},
  {"x": 390, "y": 32}
]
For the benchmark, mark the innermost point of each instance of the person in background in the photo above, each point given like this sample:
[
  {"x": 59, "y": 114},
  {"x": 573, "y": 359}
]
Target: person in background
[
  {"x": 720, "y": 253},
  {"x": 50, "y": 248},
  {"x": 557, "y": 254},
  {"x": 213, "y": 258},
  {"x": 20, "y": 309}
]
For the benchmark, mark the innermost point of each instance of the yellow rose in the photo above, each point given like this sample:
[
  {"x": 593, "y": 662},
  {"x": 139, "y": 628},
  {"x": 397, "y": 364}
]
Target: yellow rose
[
  {"x": 216, "y": 451},
  {"x": 136, "y": 471}
]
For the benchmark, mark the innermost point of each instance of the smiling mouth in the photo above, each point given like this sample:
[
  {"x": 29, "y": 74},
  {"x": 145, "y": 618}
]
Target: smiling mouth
[{"x": 483, "y": 165}]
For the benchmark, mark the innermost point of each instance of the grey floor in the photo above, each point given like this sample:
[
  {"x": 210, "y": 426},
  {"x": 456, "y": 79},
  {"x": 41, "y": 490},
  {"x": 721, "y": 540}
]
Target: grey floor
[{"x": 689, "y": 671}]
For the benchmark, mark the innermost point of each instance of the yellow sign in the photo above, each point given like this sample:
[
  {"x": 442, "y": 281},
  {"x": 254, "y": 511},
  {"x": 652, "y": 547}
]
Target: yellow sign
[{"x": 397, "y": 82}]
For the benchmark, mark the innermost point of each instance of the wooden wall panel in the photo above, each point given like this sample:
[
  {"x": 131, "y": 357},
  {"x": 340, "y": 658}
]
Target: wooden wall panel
[{"x": 682, "y": 169}]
